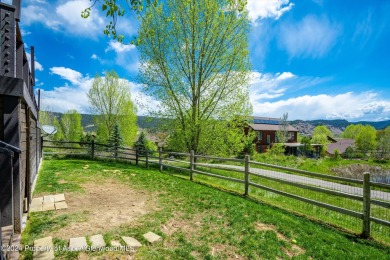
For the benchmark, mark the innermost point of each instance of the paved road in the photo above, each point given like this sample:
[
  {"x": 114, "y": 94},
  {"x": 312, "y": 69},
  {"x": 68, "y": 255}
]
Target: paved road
[{"x": 311, "y": 181}]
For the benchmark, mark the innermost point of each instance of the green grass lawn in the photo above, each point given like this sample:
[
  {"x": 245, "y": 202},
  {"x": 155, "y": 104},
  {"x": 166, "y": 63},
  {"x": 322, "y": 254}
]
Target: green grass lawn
[
  {"x": 203, "y": 222},
  {"x": 322, "y": 165}
]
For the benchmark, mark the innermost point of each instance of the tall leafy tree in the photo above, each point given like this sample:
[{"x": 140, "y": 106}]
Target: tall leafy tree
[
  {"x": 110, "y": 100},
  {"x": 71, "y": 126},
  {"x": 115, "y": 8},
  {"x": 320, "y": 136},
  {"x": 384, "y": 142},
  {"x": 364, "y": 136},
  {"x": 194, "y": 61},
  {"x": 351, "y": 131},
  {"x": 281, "y": 134},
  {"x": 322, "y": 130},
  {"x": 366, "y": 139}
]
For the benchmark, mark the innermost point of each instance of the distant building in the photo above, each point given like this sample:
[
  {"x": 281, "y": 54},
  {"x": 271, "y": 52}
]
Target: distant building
[
  {"x": 339, "y": 144},
  {"x": 266, "y": 128}
]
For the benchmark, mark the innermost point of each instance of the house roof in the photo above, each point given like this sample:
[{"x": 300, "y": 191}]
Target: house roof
[
  {"x": 268, "y": 127},
  {"x": 341, "y": 145}
]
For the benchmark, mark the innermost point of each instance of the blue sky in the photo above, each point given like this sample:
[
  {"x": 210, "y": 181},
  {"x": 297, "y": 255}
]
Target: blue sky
[{"x": 315, "y": 59}]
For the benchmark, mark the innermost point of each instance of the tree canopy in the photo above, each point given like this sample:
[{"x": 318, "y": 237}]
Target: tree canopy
[
  {"x": 364, "y": 136},
  {"x": 195, "y": 62},
  {"x": 110, "y": 100},
  {"x": 114, "y": 9},
  {"x": 384, "y": 142}
]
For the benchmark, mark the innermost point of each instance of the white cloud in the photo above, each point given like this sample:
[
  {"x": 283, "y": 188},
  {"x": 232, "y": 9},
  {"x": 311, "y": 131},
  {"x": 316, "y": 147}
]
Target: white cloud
[
  {"x": 274, "y": 94},
  {"x": 269, "y": 86},
  {"x": 261, "y": 9},
  {"x": 126, "y": 55},
  {"x": 350, "y": 106},
  {"x": 74, "y": 95},
  {"x": 65, "y": 17},
  {"x": 313, "y": 37},
  {"x": 119, "y": 47},
  {"x": 95, "y": 57},
  {"x": 40, "y": 14},
  {"x": 38, "y": 66},
  {"x": 70, "y": 14},
  {"x": 73, "y": 76}
]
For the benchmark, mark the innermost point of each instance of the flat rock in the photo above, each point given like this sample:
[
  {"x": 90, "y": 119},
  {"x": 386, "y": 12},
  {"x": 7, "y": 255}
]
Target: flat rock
[
  {"x": 59, "y": 197},
  {"x": 37, "y": 201},
  {"x": 48, "y": 206},
  {"x": 132, "y": 242},
  {"x": 97, "y": 241},
  {"x": 35, "y": 208},
  {"x": 116, "y": 243},
  {"x": 48, "y": 198},
  {"x": 152, "y": 237},
  {"x": 60, "y": 205},
  {"x": 78, "y": 244},
  {"x": 44, "y": 249}
]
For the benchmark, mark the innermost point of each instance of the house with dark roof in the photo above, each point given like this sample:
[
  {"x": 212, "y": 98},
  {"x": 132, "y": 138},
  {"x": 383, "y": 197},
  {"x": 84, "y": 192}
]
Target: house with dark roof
[
  {"x": 339, "y": 144},
  {"x": 266, "y": 129}
]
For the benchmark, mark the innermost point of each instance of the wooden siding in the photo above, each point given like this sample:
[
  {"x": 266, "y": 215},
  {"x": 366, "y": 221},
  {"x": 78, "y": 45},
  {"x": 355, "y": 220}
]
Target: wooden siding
[
  {"x": 1, "y": 117},
  {"x": 33, "y": 149},
  {"x": 24, "y": 148}
]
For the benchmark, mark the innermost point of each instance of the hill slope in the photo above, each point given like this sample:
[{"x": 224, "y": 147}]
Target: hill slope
[{"x": 304, "y": 127}]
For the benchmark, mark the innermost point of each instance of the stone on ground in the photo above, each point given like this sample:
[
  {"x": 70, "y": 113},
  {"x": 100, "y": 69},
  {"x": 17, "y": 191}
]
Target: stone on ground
[
  {"x": 36, "y": 204},
  {"x": 48, "y": 198},
  {"x": 59, "y": 197},
  {"x": 44, "y": 249},
  {"x": 152, "y": 237},
  {"x": 132, "y": 242},
  {"x": 37, "y": 201},
  {"x": 78, "y": 244},
  {"x": 116, "y": 243},
  {"x": 61, "y": 205},
  {"x": 48, "y": 205},
  {"x": 97, "y": 241}
]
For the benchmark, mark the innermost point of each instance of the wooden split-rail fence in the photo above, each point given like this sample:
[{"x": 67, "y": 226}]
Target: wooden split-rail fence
[{"x": 368, "y": 193}]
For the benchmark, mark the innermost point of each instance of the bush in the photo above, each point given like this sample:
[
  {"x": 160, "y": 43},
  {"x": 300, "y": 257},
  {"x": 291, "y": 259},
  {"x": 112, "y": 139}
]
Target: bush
[
  {"x": 337, "y": 154},
  {"x": 277, "y": 149}
]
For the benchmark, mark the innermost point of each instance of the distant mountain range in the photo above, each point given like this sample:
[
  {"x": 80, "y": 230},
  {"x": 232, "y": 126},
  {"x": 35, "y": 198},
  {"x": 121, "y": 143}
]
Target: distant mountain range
[
  {"x": 305, "y": 127},
  {"x": 337, "y": 126}
]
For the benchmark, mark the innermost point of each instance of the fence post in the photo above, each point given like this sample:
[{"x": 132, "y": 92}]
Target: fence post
[
  {"x": 246, "y": 193},
  {"x": 160, "y": 159},
  {"x": 366, "y": 205},
  {"x": 136, "y": 155},
  {"x": 147, "y": 158},
  {"x": 192, "y": 160},
  {"x": 93, "y": 149}
]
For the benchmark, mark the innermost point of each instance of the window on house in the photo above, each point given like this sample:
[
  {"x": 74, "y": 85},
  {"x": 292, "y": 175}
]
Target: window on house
[
  {"x": 292, "y": 136},
  {"x": 259, "y": 135},
  {"x": 268, "y": 139}
]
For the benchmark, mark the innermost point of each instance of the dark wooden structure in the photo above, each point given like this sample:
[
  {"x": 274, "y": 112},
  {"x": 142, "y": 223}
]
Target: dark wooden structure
[
  {"x": 266, "y": 129},
  {"x": 19, "y": 126}
]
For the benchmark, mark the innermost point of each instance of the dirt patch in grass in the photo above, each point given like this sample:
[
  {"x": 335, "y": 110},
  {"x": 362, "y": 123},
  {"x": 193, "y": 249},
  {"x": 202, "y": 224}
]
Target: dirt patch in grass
[
  {"x": 291, "y": 252},
  {"x": 227, "y": 251},
  {"x": 178, "y": 224},
  {"x": 192, "y": 229},
  {"x": 106, "y": 205}
]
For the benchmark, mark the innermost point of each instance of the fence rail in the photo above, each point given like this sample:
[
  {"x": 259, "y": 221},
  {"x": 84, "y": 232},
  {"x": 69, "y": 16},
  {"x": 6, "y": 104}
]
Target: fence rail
[{"x": 372, "y": 198}]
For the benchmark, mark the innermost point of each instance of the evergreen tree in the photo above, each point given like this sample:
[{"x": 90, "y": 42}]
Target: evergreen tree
[
  {"x": 115, "y": 139},
  {"x": 142, "y": 143}
]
